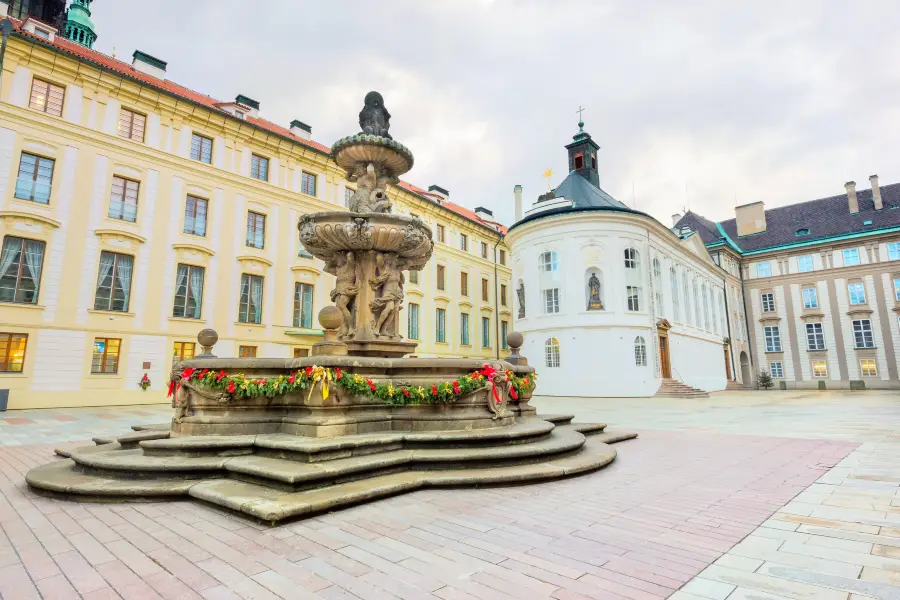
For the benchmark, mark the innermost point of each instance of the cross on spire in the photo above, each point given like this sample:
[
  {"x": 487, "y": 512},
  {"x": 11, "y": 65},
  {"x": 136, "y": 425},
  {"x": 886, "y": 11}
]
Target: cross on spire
[{"x": 580, "y": 110}]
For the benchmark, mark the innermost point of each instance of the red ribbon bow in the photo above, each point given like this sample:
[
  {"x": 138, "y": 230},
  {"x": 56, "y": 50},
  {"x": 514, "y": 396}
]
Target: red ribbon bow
[{"x": 489, "y": 372}]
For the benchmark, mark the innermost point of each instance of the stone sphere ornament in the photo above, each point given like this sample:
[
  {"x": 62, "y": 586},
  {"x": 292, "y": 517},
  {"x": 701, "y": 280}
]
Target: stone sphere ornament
[
  {"x": 207, "y": 338},
  {"x": 515, "y": 339},
  {"x": 330, "y": 317}
]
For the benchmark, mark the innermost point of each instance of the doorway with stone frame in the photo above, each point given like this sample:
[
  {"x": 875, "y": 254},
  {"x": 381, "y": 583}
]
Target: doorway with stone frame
[{"x": 665, "y": 358}]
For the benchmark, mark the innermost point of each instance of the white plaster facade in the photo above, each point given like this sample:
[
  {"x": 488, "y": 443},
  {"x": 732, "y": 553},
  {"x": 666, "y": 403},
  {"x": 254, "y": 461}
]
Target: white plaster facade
[{"x": 597, "y": 348}]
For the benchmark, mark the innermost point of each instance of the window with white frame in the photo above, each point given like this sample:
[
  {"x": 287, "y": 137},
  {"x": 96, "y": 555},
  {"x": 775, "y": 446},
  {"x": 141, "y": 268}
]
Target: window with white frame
[
  {"x": 862, "y": 333},
  {"x": 764, "y": 269},
  {"x": 897, "y": 289},
  {"x": 713, "y": 296},
  {"x": 705, "y": 294},
  {"x": 114, "y": 282},
  {"x": 548, "y": 261},
  {"x": 867, "y": 367},
  {"x": 894, "y": 251},
  {"x": 657, "y": 288},
  {"x": 687, "y": 299},
  {"x": 673, "y": 281},
  {"x": 805, "y": 263},
  {"x": 640, "y": 352},
  {"x": 810, "y": 297},
  {"x": 698, "y": 319},
  {"x": 633, "y": 293},
  {"x": 851, "y": 257},
  {"x": 308, "y": 183},
  {"x": 857, "y": 293},
  {"x": 201, "y": 148},
  {"x": 632, "y": 258},
  {"x": 819, "y": 368},
  {"x": 768, "y": 302},
  {"x": 303, "y": 305},
  {"x": 773, "y": 338},
  {"x": 551, "y": 301},
  {"x": 815, "y": 336},
  {"x": 551, "y": 353},
  {"x": 776, "y": 369}
]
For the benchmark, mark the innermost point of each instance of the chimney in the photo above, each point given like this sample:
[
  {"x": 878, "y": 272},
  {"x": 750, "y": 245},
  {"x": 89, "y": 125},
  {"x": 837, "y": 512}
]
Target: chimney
[
  {"x": 4, "y": 8},
  {"x": 483, "y": 213},
  {"x": 150, "y": 65},
  {"x": 301, "y": 129},
  {"x": 250, "y": 103},
  {"x": 517, "y": 194},
  {"x": 876, "y": 192},
  {"x": 438, "y": 191},
  {"x": 675, "y": 218},
  {"x": 750, "y": 218},
  {"x": 852, "y": 202}
]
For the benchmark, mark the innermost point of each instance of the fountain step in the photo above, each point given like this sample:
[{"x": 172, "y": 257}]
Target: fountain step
[
  {"x": 296, "y": 473},
  {"x": 307, "y": 449},
  {"x": 153, "y": 427},
  {"x": 101, "y": 440},
  {"x": 131, "y": 440},
  {"x": 587, "y": 428},
  {"x": 612, "y": 437},
  {"x": 557, "y": 419},
  {"x": 64, "y": 477},
  {"x": 135, "y": 463},
  {"x": 272, "y": 505}
]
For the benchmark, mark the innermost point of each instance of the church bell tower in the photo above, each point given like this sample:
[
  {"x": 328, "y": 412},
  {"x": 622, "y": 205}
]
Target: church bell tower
[
  {"x": 583, "y": 155},
  {"x": 79, "y": 27}
]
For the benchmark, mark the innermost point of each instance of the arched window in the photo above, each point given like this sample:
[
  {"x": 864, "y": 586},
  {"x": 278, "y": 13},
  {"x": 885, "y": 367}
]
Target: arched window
[
  {"x": 688, "y": 316},
  {"x": 713, "y": 301},
  {"x": 548, "y": 262},
  {"x": 676, "y": 308},
  {"x": 698, "y": 318},
  {"x": 705, "y": 307},
  {"x": 657, "y": 289},
  {"x": 551, "y": 353},
  {"x": 640, "y": 352},
  {"x": 632, "y": 258}
]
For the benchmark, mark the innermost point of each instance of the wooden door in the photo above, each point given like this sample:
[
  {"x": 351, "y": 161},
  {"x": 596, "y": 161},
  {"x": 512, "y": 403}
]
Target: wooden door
[
  {"x": 727, "y": 364},
  {"x": 664, "y": 357}
]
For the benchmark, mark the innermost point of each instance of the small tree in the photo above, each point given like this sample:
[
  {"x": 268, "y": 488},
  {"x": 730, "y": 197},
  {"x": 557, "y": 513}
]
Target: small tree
[{"x": 765, "y": 380}]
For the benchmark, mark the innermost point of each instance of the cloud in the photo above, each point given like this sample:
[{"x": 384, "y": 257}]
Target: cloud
[{"x": 774, "y": 101}]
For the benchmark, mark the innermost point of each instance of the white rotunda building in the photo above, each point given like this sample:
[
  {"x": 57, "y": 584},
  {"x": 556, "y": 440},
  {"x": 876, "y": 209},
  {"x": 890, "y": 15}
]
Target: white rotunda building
[{"x": 610, "y": 301}]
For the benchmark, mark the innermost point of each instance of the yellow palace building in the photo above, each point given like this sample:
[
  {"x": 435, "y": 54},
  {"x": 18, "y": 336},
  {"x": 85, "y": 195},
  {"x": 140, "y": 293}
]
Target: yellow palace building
[{"x": 136, "y": 212}]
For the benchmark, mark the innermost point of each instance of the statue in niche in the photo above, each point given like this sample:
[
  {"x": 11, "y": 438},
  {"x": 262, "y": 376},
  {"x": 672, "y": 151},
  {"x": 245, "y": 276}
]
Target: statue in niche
[
  {"x": 594, "y": 302},
  {"x": 520, "y": 292},
  {"x": 343, "y": 267},
  {"x": 374, "y": 118},
  {"x": 370, "y": 195},
  {"x": 389, "y": 278}
]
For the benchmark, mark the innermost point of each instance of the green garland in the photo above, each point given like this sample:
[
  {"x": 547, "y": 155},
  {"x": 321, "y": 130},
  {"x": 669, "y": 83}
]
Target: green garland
[{"x": 305, "y": 379}]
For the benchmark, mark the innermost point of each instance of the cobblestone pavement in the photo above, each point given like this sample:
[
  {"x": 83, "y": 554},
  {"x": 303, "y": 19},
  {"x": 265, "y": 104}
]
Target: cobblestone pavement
[{"x": 703, "y": 476}]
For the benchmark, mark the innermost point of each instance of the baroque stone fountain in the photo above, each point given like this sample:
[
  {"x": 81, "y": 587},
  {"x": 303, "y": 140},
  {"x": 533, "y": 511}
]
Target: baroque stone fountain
[{"x": 282, "y": 438}]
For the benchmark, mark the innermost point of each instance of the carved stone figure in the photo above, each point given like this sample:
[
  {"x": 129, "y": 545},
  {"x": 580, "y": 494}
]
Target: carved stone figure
[
  {"x": 501, "y": 384},
  {"x": 387, "y": 304},
  {"x": 594, "y": 302},
  {"x": 520, "y": 292},
  {"x": 370, "y": 195},
  {"x": 374, "y": 118},
  {"x": 343, "y": 267},
  {"x": 182, "y": 399}
]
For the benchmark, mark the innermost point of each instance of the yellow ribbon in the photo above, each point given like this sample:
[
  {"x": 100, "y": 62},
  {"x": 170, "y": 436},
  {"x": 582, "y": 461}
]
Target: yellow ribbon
[{"x": 320, "y": 375}]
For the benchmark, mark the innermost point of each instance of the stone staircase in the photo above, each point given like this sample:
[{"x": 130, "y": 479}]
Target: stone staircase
[
  {"x": 672, "y": 388},
  {"x": 734, "y": 386},
  {"x": 277, "y": 476}
]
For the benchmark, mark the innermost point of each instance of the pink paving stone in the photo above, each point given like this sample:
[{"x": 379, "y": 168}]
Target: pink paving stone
[
  {"x": 106, "y": 416},
  {"x": 65, "y": 418},
  {"x": 18, "y": 421},
  {"x": 57, "y": 588},
  {"x": 670, "y": 505}
]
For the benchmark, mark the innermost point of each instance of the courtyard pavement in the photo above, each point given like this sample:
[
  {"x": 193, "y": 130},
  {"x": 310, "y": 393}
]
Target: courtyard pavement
[{"x": 746, "y": 495}]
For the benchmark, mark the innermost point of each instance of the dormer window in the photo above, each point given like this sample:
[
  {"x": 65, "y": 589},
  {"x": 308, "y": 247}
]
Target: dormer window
[
  {"x": 578, "y": 161},
  {"x": 593, "y": 160},
  {"x": 803, "y": 231}
]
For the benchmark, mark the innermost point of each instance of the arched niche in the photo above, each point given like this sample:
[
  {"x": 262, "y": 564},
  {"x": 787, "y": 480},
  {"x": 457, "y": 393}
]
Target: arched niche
[{"x": 594, "y": 289}]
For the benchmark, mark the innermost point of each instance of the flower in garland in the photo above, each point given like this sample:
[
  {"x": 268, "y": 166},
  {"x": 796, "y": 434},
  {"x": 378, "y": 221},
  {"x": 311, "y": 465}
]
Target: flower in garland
[
  {"x": 230, "y": 388},
  {"x": 338, "y": 374},
  {"x": 309, "y": 371},
  {"x": 434, "y": 391},
  {"x": 456, "y": 387},
  {"x": 291, "y": 379},
  {"x": 405, "y": 392},
  {"x": 221, "y": 375},
  {"x": 186, "y": 374},
  {"x": 390, "y": 390}
]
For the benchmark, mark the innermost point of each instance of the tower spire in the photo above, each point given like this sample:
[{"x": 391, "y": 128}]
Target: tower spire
[{"x": 79, "y": 27}]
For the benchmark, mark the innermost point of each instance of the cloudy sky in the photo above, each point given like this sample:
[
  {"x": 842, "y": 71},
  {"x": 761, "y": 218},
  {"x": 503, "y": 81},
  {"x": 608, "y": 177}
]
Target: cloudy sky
[{"x": 699, "y": 103}]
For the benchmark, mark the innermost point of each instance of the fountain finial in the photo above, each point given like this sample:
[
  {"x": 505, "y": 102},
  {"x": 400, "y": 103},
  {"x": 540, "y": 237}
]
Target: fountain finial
[{"x": 374, "y": 118}]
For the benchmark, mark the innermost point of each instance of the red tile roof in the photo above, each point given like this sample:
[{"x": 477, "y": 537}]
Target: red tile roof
[{"x": 123, "y": 68}]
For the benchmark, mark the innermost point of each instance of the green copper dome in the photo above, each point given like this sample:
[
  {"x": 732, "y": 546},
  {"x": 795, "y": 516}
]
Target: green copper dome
[{"x": 79, "y": 27}]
